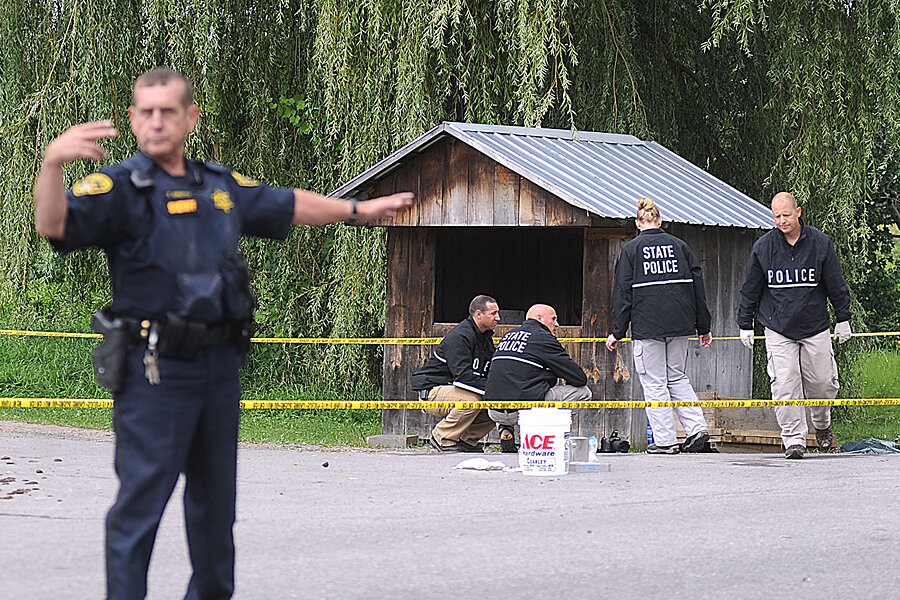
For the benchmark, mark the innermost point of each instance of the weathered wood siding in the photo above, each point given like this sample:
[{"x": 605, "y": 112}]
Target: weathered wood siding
[
  {"x": 726, "y": 367},
  {"x": 409, "y": 300}
]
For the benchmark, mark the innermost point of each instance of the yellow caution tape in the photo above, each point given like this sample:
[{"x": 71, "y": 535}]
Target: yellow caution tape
[
  {"x": 364, "y": 341},
  {"x": 416, "y": 404},
  {"x": 56, "y": 402},
  {"x": 379, "y": 341},
  {"x": 48, "y": 333}
]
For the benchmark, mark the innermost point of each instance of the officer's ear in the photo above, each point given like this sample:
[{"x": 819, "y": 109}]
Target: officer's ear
[{"x": 193, "y": 116}]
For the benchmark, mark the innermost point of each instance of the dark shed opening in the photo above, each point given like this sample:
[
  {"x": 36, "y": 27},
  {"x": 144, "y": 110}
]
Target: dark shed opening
[{"x": 519, "y": 267}]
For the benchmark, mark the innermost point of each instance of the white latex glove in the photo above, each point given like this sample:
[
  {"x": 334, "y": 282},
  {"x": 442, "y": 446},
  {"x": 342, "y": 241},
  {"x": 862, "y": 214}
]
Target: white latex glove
[
  {"x": 611, "y": 342},
  {"x": 747, "y": 337},
  {"x": 842, "y": 331}
]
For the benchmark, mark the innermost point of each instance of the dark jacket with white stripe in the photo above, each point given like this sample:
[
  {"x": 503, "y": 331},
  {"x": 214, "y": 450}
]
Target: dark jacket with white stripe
[
  {"x": 527, "y": 363},
  {"x": 659, "y": 289},
  {"x": 462, "y": 359},
  {"x": 788, "y": 287}
]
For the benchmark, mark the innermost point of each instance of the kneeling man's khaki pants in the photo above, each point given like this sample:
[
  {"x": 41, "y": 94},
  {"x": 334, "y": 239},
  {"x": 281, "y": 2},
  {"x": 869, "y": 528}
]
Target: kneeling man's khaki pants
[{"x": 466, "y": 424}]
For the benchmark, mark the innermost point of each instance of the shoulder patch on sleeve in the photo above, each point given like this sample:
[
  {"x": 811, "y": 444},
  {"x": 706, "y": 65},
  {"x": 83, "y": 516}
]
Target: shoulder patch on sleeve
[
  {"x": 93, "y": 185},
  {"x": 243, "y": 180}
]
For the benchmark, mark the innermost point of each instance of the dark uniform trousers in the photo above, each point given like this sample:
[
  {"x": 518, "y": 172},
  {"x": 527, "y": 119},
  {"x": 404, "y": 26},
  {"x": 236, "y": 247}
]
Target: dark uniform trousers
[{"x": 186, "y": 424}]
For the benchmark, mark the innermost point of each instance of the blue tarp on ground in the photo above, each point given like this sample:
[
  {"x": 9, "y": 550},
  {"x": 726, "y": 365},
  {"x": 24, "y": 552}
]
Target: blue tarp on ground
[{"x": 871, "y": 446}]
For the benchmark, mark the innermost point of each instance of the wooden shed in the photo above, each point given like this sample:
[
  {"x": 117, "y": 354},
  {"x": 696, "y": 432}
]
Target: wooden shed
[{"x": 537, "y": 215}]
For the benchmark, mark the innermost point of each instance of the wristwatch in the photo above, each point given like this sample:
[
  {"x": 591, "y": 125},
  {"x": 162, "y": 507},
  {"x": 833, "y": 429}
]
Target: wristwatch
[{"x": 353, "y": 219}]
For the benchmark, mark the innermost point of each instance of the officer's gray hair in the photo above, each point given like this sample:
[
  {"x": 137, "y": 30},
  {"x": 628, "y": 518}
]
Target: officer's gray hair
[
  {"x": 162, "y": 76},
  {"x": 480, "y": 302}
]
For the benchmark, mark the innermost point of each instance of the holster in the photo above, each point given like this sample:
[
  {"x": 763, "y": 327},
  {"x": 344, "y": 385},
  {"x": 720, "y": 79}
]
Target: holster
[{"x": 109, "y": 357}]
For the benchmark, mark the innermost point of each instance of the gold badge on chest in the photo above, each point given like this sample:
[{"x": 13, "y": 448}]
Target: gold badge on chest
[{"x": 222, "y": 200}]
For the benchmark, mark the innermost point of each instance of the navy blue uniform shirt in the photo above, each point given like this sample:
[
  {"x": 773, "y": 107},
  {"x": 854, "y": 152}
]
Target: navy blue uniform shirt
[
  {"x": 167, "y": 241},
  {"x": 463, "y": 359},
  {"x": 527, "y": 363}
]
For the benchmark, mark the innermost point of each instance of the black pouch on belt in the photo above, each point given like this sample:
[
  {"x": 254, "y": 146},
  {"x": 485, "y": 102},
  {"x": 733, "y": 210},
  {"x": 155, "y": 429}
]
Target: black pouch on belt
[{"x": 109, "y": 357}]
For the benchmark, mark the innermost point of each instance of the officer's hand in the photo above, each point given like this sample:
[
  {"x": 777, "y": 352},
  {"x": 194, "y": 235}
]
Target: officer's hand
[
  {"x": 747, "y": 337},
  {"x": 384, "y": 206},
  {"x": 706, "y": 339},
  {"x": 842, "y": 331},
  {"x": 611, "y": 342},
  {"x": 79, "y": 142}
]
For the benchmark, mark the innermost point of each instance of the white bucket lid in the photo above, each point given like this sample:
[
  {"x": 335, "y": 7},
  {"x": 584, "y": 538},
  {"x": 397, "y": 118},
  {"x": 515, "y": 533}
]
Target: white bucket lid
[{"x": 545, "y": 417}]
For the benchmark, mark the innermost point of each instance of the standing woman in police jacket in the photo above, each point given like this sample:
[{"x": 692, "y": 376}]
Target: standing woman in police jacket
[{"x": 659, "y": 290}]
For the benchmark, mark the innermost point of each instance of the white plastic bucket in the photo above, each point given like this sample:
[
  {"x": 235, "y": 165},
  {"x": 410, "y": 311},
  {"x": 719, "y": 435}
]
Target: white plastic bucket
[{"x": 542, "y": 441}]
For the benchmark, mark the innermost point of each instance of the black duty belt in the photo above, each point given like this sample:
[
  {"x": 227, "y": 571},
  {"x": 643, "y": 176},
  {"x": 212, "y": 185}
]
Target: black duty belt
[{"x": 179, "y": 338}]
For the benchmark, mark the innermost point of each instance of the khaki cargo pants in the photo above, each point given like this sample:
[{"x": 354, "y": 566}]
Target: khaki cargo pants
[
  {"x": 801, "y": 369},
  {"x": 466, "y": 424}
]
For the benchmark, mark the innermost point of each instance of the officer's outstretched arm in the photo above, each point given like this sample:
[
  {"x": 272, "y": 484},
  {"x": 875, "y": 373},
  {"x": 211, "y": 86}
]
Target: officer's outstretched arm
[
  {"x": 311, "y": 208},
  {"x": 77, "y": 142}
]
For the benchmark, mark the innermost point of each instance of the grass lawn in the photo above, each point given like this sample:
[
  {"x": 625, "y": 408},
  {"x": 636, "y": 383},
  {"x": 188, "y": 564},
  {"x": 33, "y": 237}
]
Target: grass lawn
[
  {"x": 61, "y": 368},
  {"x": 881, "y": 379},
  {"x": 23, "y": 374}
]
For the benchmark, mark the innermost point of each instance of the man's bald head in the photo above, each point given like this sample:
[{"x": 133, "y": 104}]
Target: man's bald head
[
  {"x": 782, "y": 197},
  {"x": 544, "y": 313},
  {"x": 787, "y": 216}
]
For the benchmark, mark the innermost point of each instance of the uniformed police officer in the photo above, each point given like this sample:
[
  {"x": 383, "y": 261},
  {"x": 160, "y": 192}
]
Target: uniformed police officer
[
  {"x": 659, "y": 290},
  {"x": 180, "y": 314},
  {"x": 791, "y": 274}
]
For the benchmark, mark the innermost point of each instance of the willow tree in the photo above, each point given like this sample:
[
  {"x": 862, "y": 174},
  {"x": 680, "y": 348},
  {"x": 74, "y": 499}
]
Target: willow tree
[{"x": 766, "y": 95}]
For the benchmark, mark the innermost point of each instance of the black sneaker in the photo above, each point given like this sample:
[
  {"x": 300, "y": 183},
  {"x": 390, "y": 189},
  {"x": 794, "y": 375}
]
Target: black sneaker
[
  {"x": 795, "y": 451},
  {"x": 654, "y": 449},
  {"x": 441, "y": 448},
  {"x": 467, "y": 447},
  {"x": 696, "y": 442},
  {"x": 825, "y": 439},
  {"x": 508, "y": 439}
]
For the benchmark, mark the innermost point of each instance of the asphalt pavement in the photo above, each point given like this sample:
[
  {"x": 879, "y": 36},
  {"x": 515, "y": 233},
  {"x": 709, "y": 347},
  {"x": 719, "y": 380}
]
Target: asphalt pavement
[{"x": 406, "y": 524}]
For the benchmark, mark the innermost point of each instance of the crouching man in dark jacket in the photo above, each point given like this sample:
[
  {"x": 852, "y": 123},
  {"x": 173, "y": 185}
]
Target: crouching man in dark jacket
[
  {"x": 527, "y": 364},
  {"x": 457, "y": 370}
]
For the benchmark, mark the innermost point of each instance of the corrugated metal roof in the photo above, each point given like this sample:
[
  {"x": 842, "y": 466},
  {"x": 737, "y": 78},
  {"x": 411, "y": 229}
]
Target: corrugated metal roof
[{"x": 602, "y": 173}]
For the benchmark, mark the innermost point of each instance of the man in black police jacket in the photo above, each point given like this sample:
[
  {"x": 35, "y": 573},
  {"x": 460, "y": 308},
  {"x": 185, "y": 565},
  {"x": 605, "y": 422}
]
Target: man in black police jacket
[
  {"x": 180, "y": 318},
  {"x": 527, "y": 363},
  {"x": 792, "y": 272},
  {"x": 457, "y": 370}
]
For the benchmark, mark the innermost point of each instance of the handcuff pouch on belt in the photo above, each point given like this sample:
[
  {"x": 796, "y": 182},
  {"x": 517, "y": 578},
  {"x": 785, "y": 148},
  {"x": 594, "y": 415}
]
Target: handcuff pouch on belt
[{"x": 109, "y": 357}]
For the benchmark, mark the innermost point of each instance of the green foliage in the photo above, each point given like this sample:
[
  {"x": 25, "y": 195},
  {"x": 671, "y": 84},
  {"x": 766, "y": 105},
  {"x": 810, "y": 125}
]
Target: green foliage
[
  {"x": 878, "y": 373},
  {"x": 765, "y": 94},
  {"x": 833, "y": 106},
  {"x": 296, "y": 111}
]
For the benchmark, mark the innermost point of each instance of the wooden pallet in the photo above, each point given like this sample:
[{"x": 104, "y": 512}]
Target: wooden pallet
[{"x": 748, "y": 440}]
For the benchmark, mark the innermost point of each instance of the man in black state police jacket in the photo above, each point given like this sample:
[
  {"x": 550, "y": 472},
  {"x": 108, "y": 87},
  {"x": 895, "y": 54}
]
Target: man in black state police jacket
[{"x": 527, "y": 364}]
